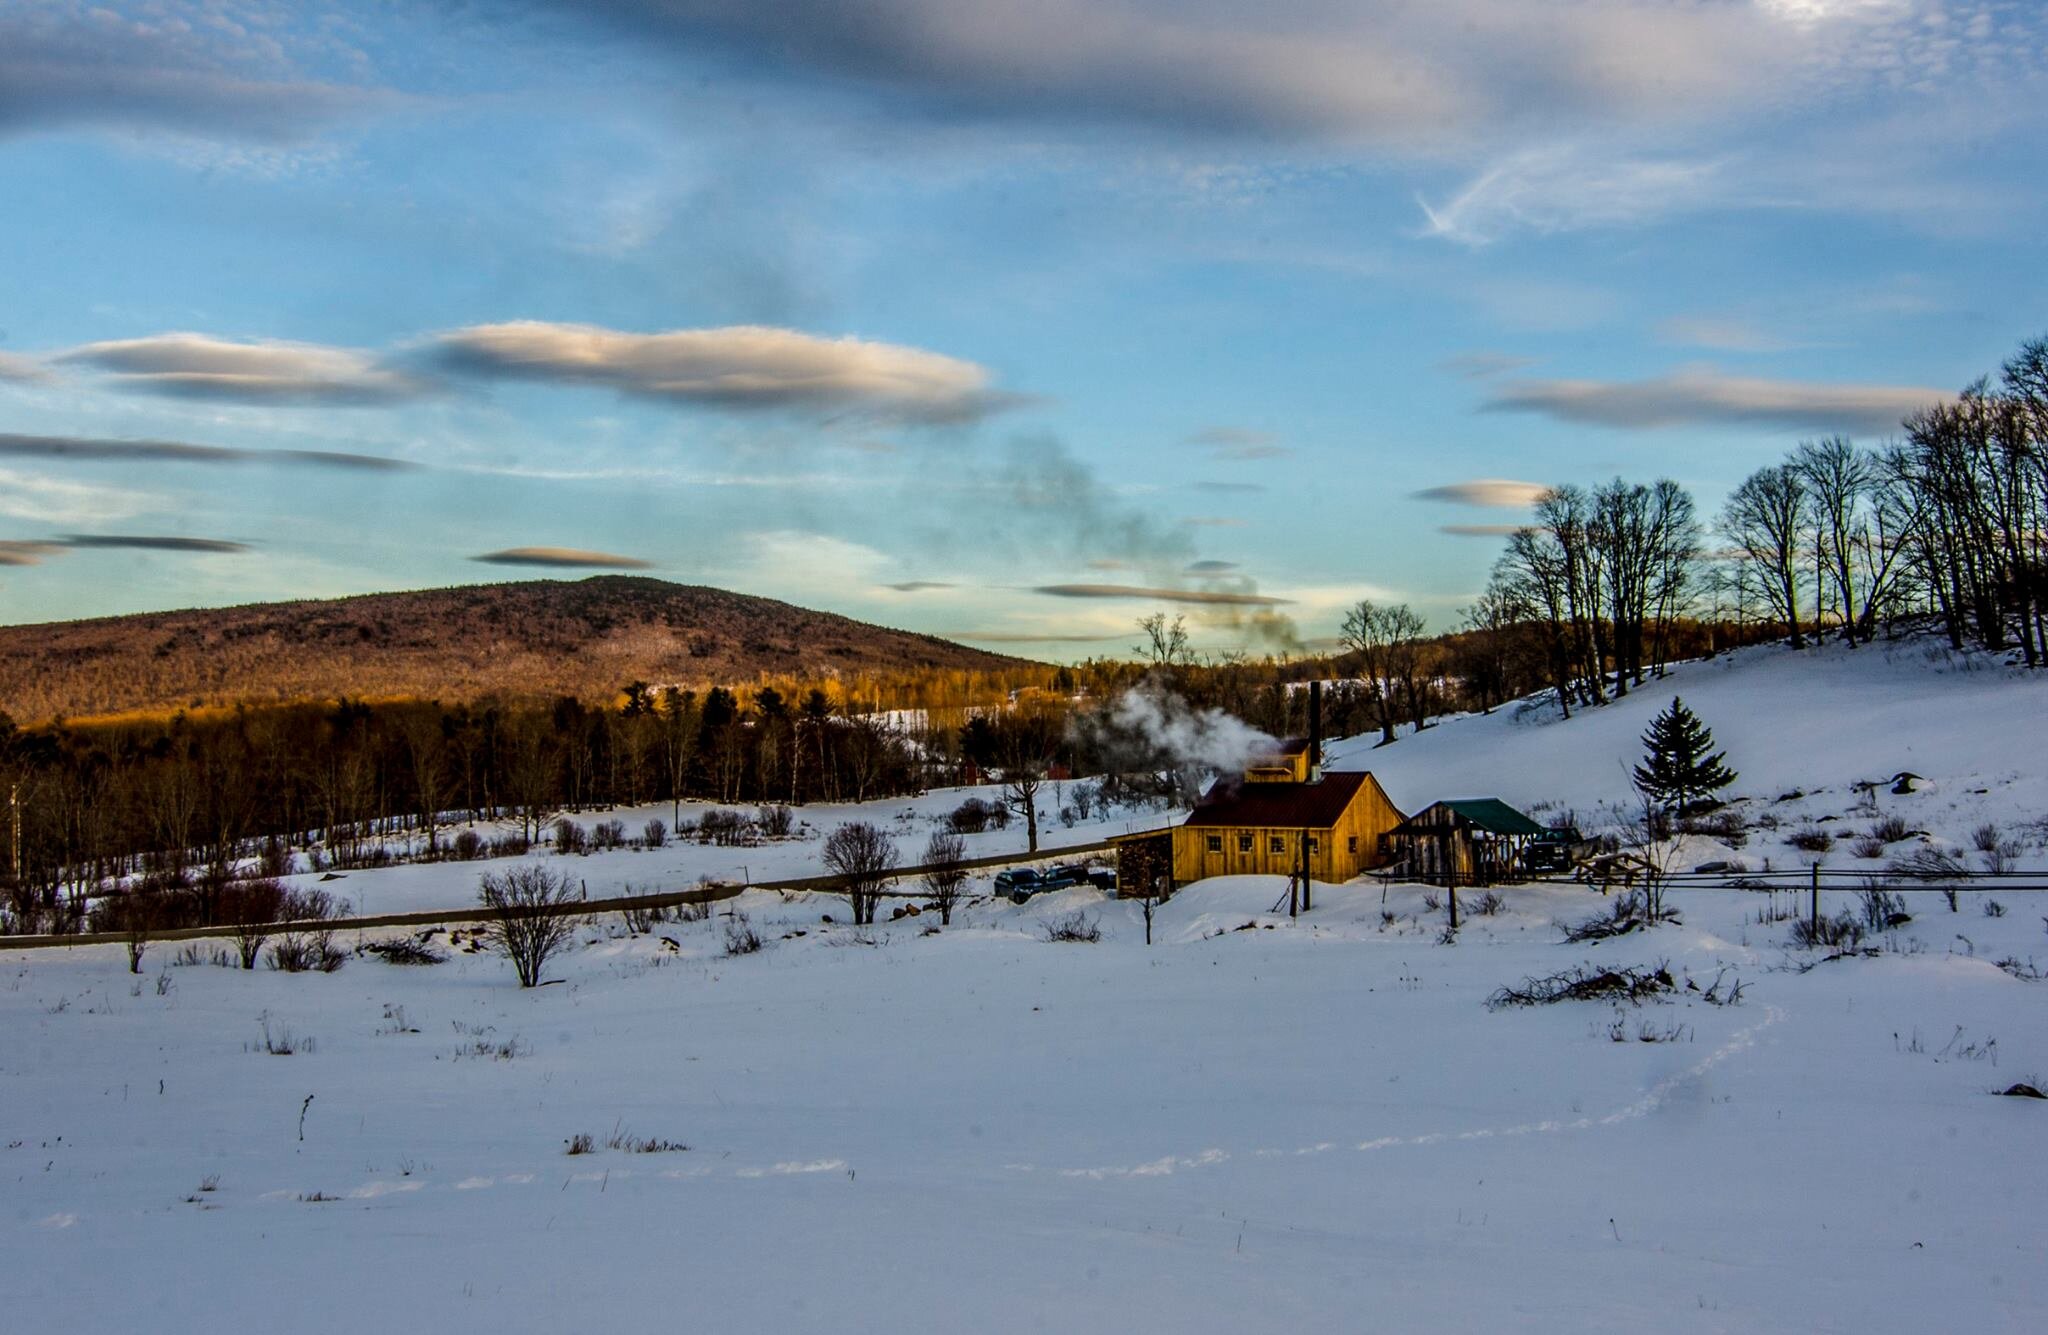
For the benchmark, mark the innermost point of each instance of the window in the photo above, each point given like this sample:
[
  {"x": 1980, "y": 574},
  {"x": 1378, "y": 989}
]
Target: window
[
  {"x": 1278, "y": 844},
  {"x": 1244, "y": 843},
  {"x": 1215, "y": 843},
  {"x": 1352, "y": 845},
  {"x": 1315, "y": 844}
]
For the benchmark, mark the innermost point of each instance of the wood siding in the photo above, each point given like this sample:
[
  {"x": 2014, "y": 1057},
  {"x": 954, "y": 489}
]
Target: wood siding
[{"x": 1335, "y": 858}]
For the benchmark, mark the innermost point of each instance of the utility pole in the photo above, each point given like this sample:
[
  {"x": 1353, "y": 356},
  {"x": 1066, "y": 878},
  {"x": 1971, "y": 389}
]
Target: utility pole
[{"x": 14, "y": 813}]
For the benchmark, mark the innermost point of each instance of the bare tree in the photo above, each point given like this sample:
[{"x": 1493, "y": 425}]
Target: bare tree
[
  {"x": 860, "y": 855},
  {"x": 1766, "y": 520},
  {"x": 1023, "y": 776},
  {"x": 532, "y": 916},
  {"x": 1387, "y": 641},
  {"x": 945, "y": 871}
]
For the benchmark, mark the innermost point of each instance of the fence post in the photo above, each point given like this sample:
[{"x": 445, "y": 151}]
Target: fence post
[{"x": 1813, "y": 908}]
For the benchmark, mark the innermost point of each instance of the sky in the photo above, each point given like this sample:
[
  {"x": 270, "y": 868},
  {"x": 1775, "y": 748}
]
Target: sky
[{"x": 1010, "y": 321}]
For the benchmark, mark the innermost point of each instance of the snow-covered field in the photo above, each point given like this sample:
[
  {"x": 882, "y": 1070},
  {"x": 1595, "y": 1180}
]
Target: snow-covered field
[
  {"x": 682, "y": 863},
  {"x": 1308, "y": 1125}
]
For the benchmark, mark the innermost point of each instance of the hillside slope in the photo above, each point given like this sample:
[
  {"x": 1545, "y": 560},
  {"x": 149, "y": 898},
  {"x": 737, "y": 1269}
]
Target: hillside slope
[
  {"x": 542, "y": 637},
  {"x": 1815, "y": 722}
]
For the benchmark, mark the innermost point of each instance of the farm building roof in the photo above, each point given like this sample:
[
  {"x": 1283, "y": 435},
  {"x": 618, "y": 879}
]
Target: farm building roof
[
  {"x": 1297, "y": 806},
  {"x": 1488, "y": 813}
]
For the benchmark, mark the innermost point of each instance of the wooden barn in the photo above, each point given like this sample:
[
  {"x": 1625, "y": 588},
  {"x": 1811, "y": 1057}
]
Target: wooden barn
[
  {"x": 1477, "y": 840},
  {"x": 1260, "y": 824}
]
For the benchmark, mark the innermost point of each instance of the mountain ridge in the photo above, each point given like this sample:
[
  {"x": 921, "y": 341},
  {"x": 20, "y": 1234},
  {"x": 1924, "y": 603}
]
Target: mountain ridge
[{"x": 527, "y": 638}]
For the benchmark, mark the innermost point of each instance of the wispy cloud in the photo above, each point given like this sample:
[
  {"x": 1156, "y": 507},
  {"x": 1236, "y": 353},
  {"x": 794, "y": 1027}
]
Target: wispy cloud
[
  {"x": 1494, "y": 491},
  {"x": 567, "y": 558},
  {"x": 174, "y": 451},
  {"x": 1202, "y": 597},
  {"x": 21, "y": 370},
  {"x": 14, "y": 552},
  {"x": 738, "y": 367},
  {"x": 1569, "y": 187},
  {"x": 201, "y": 366},
  {"x": 1480, "y": 365},
  {"x": 174, "y": 66},
  {"x": 1481, "y": 530},
  {"x": 52, "y": 500},
  {"x": 152, "y": 542},
  {"x": 1239, "y": 443},
  {"x": 1721, "y": 333},
  {"x": 919, "y": 585},
  {"x": 1408, "y": 75},
  {"x": 1705, "y": 396}
]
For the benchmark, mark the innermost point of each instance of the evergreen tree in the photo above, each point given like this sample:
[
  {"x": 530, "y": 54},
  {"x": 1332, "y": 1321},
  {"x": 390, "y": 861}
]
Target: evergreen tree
[{"x": 1681, "y": 768}]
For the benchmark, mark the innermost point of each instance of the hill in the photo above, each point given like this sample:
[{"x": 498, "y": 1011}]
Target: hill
[
  {"x": 543, "y": 637},
  {"x": 1802, "y": 728}
]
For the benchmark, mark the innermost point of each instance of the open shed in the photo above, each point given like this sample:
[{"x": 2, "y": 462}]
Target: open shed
[{"x": 1476, "y": 840}]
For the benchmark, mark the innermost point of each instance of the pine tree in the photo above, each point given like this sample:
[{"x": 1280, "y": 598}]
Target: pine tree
[{"x": 1679, "y": 769}]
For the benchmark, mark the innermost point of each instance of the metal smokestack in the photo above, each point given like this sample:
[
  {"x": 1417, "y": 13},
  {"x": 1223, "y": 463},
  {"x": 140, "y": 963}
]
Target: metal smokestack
[{"x": 1315, "y": 732}]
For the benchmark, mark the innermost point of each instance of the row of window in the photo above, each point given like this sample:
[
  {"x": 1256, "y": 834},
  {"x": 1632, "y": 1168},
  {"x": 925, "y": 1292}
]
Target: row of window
[{"x": 1277, "y": 843}]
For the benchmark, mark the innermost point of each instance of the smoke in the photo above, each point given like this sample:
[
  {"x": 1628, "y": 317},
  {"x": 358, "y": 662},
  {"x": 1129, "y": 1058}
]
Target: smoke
[{"x": 1152, "y": 729}]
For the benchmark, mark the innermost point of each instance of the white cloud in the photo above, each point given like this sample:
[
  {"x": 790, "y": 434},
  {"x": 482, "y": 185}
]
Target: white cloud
[
  {"x": 1697, "y": 396},
  {"x": 188, "y": 365},
  {"x": 1500, "y": 493},
  {"x": 738, "y": 367}
]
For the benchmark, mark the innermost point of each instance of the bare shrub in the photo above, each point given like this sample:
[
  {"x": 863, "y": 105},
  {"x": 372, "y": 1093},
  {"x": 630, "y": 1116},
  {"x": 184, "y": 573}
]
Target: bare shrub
[
  {"x": 975, "y": 815},
  {"x": 407, "y": 950},
  {"x": 251, "y": 908},
  {"x": 1840, "y": 932},
  {"x": 1076, "y": 926},
  {"x": 303, "y": 944},
  {"x": 775, "y": 820},
  {"x": 1881, "y": 910},
  {"x": 860, "y": 855},
  {"x": 1890, "y": 830},
  {"x": 281, "y": 1041},
  {"x": 1629, "y": 913},
  {"x": 570, "y": 837},
  {"x": 582, "y": 1143},
  {"x": 1932, "y": 865},
  {"x": 1811, "y": 839},
  {"x": 1584, "y": 983},
  {"x": 1993, "y": 909},
  {"x": 740, "y": 936},
  {"x": 1488, "y": 904},
  {"x": 1726, "y": 825},
  {"x": 654, "y": 834},
  {"x": 533, "y": 916},
  {"x": 467, "y": 846},
  {"x": 607, "y": 834},
  {"x": 1986, "y": 837},
  {"x": 641, "y": 918},
  {"x": 1870, "y": 846},
  {"x": 722, "y": 827},
  {"x": 944, "y": 874}
]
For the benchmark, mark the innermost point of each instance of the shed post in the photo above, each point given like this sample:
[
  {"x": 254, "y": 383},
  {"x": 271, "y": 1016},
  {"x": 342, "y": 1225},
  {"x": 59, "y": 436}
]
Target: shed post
[{"x": 1813, "y": 907}]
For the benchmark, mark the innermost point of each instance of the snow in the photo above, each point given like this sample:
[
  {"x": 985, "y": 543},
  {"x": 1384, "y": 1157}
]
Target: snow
[
  {"x": 1255, "y": 1123},
  {"x": 681, "y": 863}
]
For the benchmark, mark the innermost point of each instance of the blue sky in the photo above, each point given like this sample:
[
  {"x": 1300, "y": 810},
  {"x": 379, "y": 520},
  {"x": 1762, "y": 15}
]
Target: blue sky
[{"x": 1011, "y": 322}]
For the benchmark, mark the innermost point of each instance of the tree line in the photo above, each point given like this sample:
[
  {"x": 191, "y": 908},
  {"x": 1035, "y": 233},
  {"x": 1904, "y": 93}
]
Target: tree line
[{"x": 1949, "y": 523}]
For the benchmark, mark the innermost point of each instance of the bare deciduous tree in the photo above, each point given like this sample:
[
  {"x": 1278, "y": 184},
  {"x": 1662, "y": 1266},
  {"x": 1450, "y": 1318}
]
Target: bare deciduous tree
[
  {"x": 945, "y": 855},
  {"x": 533, "y": 916},
  {"x": 860, "y": 855}
]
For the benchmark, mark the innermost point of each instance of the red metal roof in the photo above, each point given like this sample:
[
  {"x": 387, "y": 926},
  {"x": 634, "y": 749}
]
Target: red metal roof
[{"x": 1294, "y": 806}]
